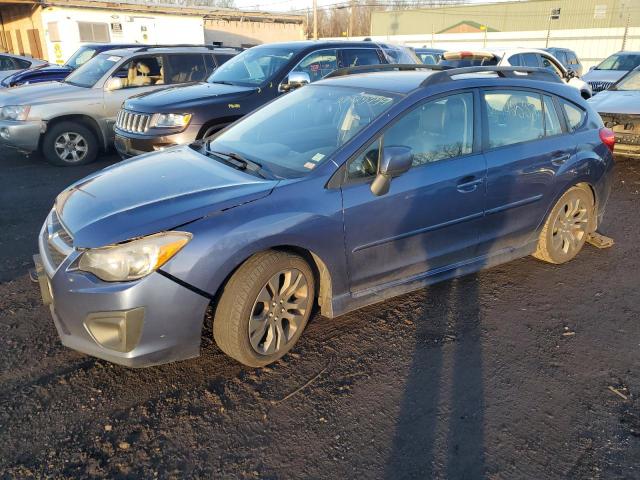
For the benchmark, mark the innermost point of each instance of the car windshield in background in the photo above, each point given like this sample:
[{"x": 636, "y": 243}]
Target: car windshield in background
[
  {"x": 631, "y": 81},
  {"x": 82, "y": 55},
  {"x": 458, "y": 60},
  {"x": 292, "y": 136},
  {"x": 88, "y": 74},
  {"x": 252, "y": 67},
  {"x": 620, "y": 62}
]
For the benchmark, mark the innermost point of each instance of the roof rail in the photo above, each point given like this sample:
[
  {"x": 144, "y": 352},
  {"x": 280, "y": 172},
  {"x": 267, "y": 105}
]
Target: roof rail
[
  {"x": 505, "y": 72},
  {"x": 444, "y": 73},
  {"x": 144, "y": 48},
  {"x": 385, "y": 67}
]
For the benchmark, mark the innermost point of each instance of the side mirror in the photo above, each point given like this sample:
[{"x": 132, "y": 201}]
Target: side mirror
[
  {"x": 295, "y": 80},
  {"x": 571, "y": 73},
  {"x": 394, "y": 161},
  {"x": 114, "y": 83}
]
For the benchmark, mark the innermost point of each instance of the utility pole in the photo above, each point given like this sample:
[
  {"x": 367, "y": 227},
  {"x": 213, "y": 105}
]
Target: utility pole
[
  {"x": 315, "y": 19},
  {"x": 626, "y": 32},
  {"x": 351, "y": 18}
]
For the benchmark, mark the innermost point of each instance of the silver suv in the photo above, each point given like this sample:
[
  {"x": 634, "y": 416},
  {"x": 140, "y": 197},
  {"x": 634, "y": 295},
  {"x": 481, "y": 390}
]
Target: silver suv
[{"x": 69, "y": 122}]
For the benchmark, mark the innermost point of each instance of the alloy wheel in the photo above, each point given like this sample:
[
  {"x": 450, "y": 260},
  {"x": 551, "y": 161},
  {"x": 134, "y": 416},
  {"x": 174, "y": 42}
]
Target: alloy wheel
[
  {"x": 278, "y": 311},
  {"x": 570, "y": 226},
  {"x": 71, "y": 147}
]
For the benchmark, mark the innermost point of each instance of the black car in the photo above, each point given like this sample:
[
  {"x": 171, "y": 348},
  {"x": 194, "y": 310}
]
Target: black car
[
  {"x": 175, "y": 116},
  {"x": 568, "y": 58}
]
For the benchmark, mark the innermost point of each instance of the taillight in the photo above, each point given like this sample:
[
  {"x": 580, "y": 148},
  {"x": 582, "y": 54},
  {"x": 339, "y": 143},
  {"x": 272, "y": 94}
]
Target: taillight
[{"x": 608, "y": 137}]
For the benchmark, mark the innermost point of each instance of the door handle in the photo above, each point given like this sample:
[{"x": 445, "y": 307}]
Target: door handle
[
  {"x": 560, "y": 159},
  {"x": 468, "y": 184}
]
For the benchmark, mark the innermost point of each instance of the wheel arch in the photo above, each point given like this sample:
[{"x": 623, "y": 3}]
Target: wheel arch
[
  {"x": 83, "y": 119},
  {"x": 221, "y": 122},
  {"x": 322, "y": 274}
]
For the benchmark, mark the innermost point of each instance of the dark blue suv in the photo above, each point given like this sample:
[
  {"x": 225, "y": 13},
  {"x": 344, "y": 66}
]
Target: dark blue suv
[
  {"x": 342, "y": 193},
  {"x": 57, "y": 73}
]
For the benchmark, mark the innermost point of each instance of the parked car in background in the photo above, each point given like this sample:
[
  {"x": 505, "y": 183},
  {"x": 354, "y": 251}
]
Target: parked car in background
[
  {"x": 568, "y": 58},
  {"x": 45, "y": 72},
  {"x": 11, "y": 64},
  {"x": 343, "y": 193},
  {"x": 71, "y": 121},
  {"x": 429, "y": 56},
  {"x": 517, "y": 57},
  {"x": 611, "y": 69},
  {"x": 619, "y": 107},
  {"x": 256, "y": 76}
]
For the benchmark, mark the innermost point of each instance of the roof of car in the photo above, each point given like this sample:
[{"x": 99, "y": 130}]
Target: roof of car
[
  {"x": 403, "y": 82},
  {"x": 166, "y": 49},
  {"x": 308, "y": 44}
]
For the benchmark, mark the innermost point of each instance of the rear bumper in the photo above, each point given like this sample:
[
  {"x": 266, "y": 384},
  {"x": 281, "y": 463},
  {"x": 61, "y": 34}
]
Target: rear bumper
[
  {"x": 21, "y": 135},
  {"x": 626, "y": 150},
  {"x": 130, "y": 144}
]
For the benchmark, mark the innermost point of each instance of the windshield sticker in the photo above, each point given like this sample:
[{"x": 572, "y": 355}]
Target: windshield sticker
[
  {"x": 309, "y": 165},
  {"x": 317, "y": 157},
  {"x": 113, "y": 58}
]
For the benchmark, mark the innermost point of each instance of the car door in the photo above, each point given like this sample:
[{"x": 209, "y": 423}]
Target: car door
[
  {"x": 429, "y": 218},
  {"x": 525, "y": 147},
  {"x": 138, "y": 75}
]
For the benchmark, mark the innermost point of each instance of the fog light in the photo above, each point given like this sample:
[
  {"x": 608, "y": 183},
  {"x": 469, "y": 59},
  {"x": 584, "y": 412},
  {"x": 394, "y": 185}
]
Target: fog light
[
  {"x": 4, "y": 133},
  {"x": 119, "y": 331}
]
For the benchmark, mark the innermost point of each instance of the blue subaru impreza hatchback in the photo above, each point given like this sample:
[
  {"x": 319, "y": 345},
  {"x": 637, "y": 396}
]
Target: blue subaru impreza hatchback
[{"x": 341, "y": 194}]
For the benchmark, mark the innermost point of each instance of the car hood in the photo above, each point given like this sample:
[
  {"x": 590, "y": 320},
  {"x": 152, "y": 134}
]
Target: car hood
[
  {"x": 603, "y": 75},
  {"x": 45, "y": 69},
  {"x": 40, "y": 93},
  {"x": 617, "y": 101},
  {"x": 183, "y": 98},
  {"x": 153, "y": 193}
]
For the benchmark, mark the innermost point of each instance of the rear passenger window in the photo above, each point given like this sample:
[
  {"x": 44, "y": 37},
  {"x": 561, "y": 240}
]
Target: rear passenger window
[
  {"x": 551, "y": 119},
  {"x": 354, "y": 57},
  {"x": 575, "y": 115},
  {"x": 513, "y": 117},
  {"x": 436, "y": 130},
  {"x": 187, "y": 68}
]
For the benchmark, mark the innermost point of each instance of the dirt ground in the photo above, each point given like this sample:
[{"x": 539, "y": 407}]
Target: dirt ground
[{"x": 526, "y": 370}]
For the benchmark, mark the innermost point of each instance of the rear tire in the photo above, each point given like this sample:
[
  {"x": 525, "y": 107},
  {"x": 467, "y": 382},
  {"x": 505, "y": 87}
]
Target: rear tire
[
  {"x": 566, "y": 229},
  {"x": 264, "y": 308},
  {"x": 69, "y": 144}
]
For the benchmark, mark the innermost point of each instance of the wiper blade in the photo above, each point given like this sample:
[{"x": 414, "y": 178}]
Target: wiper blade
[
  {"x": 239, "y": 161},
  {"x": 223, "y": 82}
]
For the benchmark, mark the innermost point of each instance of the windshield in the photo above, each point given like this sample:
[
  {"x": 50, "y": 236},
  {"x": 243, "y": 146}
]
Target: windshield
[
  {"x": 82, "y": 55},
  {"x": 619, "y": 61},
  {"x": 93, "y": 70},
  {"x": 252, "y": 67},
  {"x": 631, "y": 81},
  {"x": 403, "y": 55},
  {"x": 297, "y": 132}
]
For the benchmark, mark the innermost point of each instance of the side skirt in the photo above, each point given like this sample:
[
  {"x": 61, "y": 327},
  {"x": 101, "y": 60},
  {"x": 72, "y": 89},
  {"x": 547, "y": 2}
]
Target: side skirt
[{"x": 362, "y": 298}]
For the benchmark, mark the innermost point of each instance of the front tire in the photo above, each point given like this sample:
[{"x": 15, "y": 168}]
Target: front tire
[
  {"x": 69, "y": 143},
  {"x": 566, "y": 229},
  {"x": 264, "y": 308}
]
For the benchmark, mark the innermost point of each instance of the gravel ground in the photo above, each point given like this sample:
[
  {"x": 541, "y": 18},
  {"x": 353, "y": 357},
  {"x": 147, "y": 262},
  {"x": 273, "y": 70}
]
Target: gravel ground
[{"x": 526, "y": 370}]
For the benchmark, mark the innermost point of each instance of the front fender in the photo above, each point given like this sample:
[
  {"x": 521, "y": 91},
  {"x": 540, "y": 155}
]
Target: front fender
[{"x": 286, "y": 218}]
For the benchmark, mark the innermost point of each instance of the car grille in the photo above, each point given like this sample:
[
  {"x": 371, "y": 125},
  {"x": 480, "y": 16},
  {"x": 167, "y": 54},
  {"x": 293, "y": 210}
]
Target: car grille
[
  {"x": 57, "y": 242},
  {"x": 132, "y": 121},
  {"x": 600, "y": 86}
]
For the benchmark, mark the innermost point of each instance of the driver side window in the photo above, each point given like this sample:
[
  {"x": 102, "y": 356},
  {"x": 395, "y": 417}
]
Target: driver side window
[
  {"x": 318, "y": 64},
  {"x": 436, "y": 130},
  {"x": 141, "y": 72}
]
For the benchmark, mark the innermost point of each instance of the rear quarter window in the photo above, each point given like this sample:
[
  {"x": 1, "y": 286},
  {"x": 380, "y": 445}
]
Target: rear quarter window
[{"x": 575, "y": 115}]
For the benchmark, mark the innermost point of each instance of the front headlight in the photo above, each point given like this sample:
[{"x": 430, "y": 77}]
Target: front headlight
[
  {"x": 14, "y": 112},
  {"x": 170, "y": 119},
  {"x": 135, "y": 259}
]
